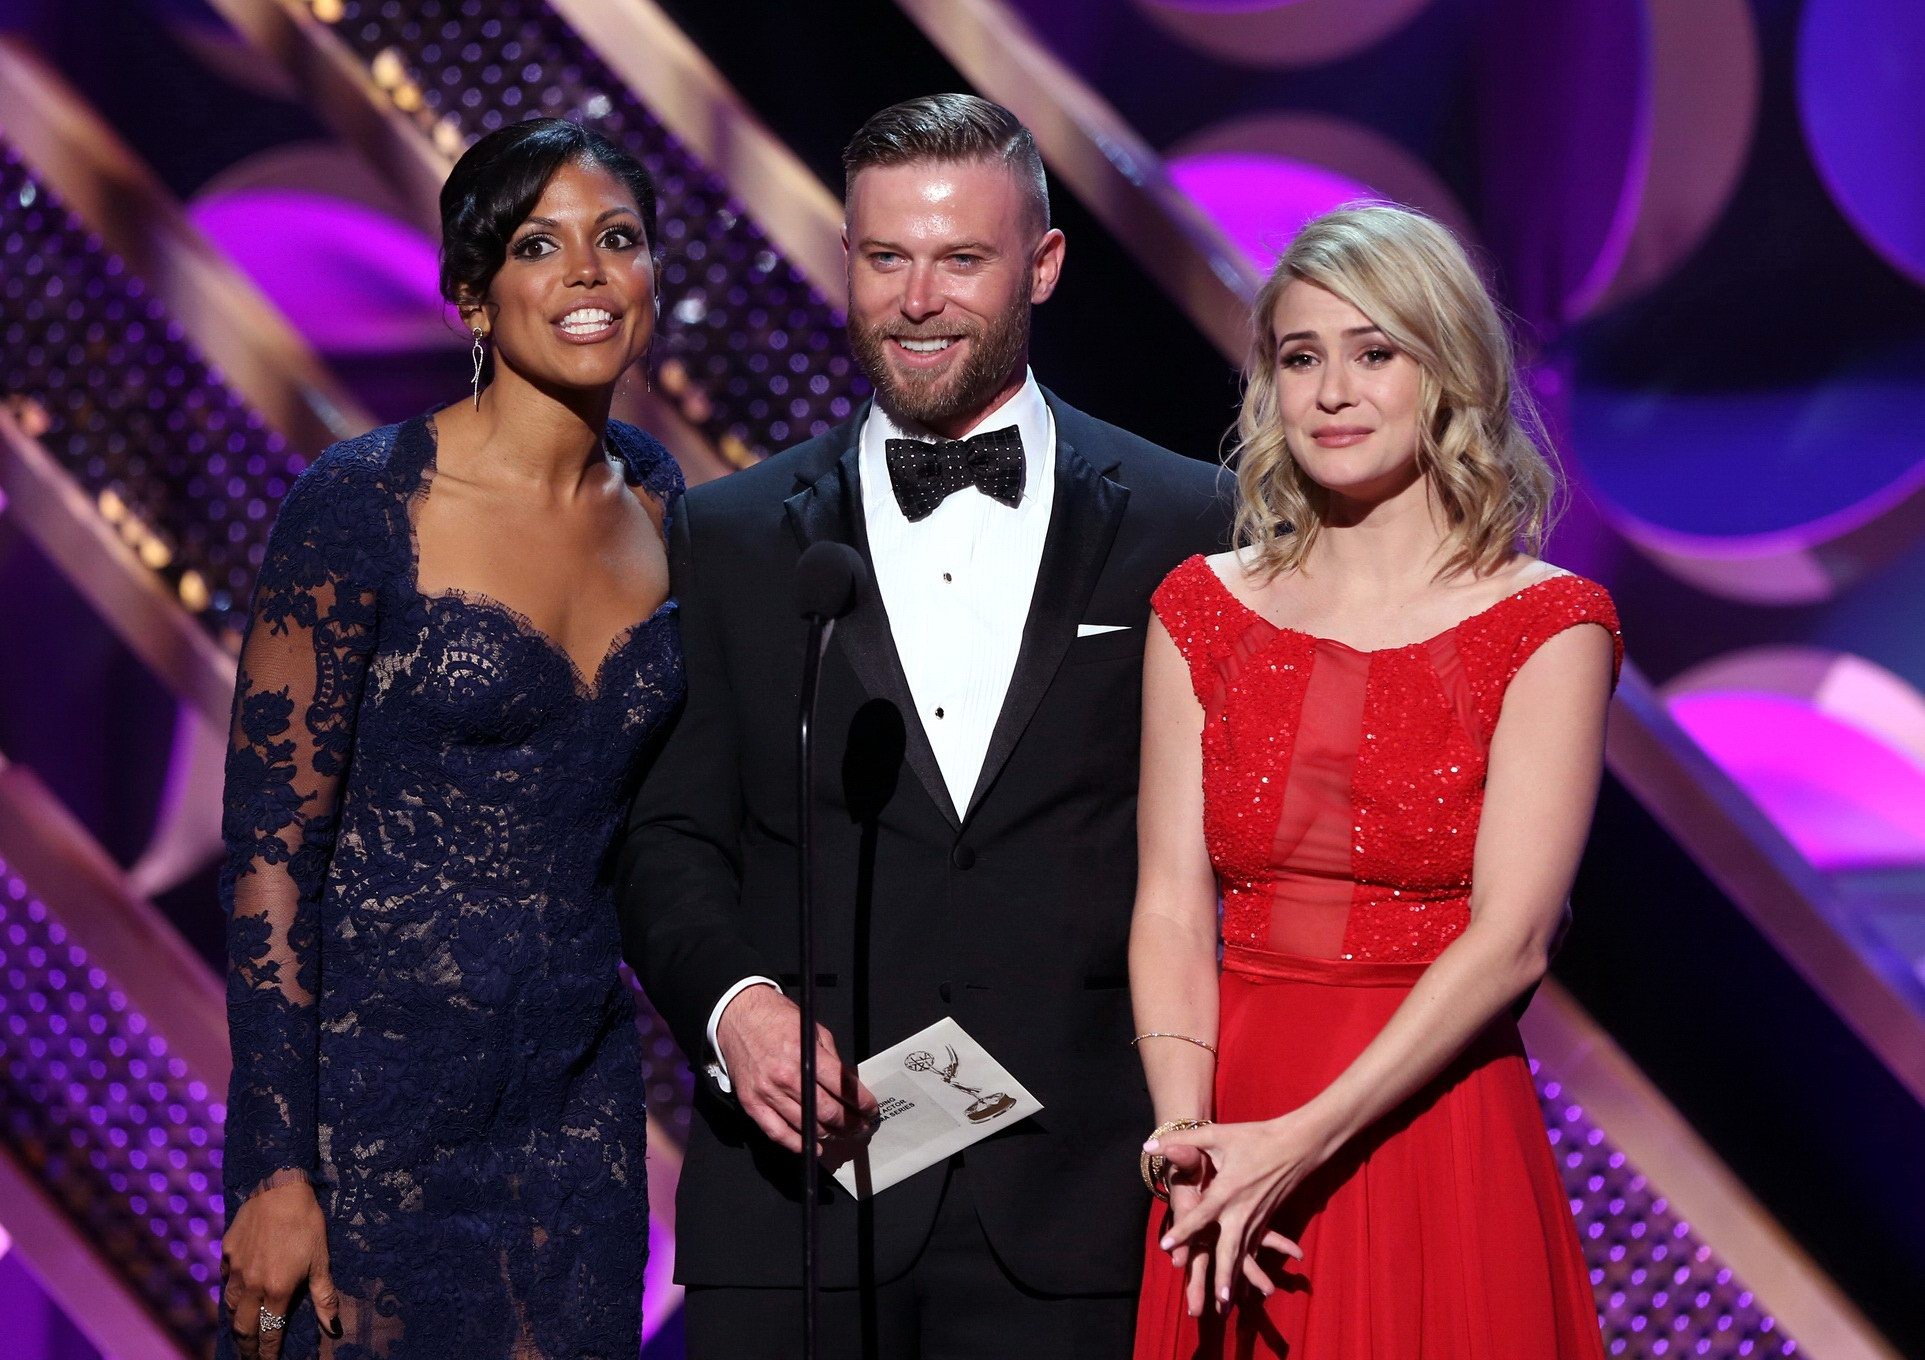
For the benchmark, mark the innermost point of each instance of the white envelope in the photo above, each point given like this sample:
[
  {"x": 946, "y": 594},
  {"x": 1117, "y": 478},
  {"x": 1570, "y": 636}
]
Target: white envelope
[{"x": 940, "y": 1091}]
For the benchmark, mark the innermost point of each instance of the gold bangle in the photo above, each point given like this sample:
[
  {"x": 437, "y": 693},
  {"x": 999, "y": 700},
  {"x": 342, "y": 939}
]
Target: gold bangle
[
  {"x": 1154, "y": 1166},
  {"x": 1167, "y": 1034}
]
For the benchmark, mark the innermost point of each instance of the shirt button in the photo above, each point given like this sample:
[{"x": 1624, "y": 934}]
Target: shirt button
[
  {"x": 947, "y": 577},
  {"x": 963, "y": 857},
  {"x": 939, "y": 713}
]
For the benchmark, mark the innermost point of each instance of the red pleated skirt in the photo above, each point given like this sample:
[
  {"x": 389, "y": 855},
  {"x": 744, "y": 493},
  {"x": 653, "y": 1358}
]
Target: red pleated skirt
[{"x": 1441, "y": 1234}]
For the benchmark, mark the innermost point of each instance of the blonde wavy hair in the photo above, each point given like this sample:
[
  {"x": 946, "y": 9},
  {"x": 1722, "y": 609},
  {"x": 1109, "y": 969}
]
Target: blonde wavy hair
[{"x": 1481, "y": 445}]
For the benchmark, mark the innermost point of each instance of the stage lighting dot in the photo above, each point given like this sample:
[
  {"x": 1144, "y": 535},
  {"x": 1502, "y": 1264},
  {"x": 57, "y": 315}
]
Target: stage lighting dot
[{"x": 388, "y": 68}]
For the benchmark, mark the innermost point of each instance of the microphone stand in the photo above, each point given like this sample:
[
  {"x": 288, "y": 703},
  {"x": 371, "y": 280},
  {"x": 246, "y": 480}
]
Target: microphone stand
[
  {"x": 828, "y": 578},
  {"x": 820, "y": 628}
]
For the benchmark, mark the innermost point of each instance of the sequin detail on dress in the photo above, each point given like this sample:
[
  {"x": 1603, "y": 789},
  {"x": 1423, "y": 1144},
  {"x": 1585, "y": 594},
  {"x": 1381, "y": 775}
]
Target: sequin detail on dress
[{"x": 1406, "y": 758}]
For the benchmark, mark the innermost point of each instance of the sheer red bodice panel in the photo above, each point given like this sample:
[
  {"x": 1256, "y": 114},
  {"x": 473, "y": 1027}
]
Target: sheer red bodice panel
[{"x": 1342, "y": 788}]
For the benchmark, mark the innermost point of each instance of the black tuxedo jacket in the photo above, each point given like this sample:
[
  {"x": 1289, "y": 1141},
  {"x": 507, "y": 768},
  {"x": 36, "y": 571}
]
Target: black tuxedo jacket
[{"x": 1011, "y": 914}]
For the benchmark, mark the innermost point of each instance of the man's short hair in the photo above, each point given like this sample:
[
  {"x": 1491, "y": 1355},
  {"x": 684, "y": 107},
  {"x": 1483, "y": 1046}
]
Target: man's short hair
[{"x": 948, "y": 127}]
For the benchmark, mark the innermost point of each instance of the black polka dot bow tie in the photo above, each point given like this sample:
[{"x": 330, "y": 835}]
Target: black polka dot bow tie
[{"x": 924, "y": 474}]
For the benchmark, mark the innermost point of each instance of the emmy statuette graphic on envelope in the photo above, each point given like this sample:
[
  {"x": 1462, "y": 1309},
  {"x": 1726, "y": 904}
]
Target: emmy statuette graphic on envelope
[{"x": 939, "y": 1091}]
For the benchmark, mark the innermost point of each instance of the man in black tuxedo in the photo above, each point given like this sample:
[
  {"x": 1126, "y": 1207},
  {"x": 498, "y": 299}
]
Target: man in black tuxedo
[{"x": 977, "y": 740}]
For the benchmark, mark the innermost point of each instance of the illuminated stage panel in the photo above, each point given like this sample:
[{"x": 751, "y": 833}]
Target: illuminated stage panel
[
  {"x": 1831, "y": 747},
  {"x": 100, "y": 179},
  {"x": 134, "y": 413},
  {"x": 1282, "y": 33},
  {"x": 352, "y": 280},
  {"x": 1614, "y": 133},
  {"x": 1846, "y": 800},
  {"x": 1261, "y": 201},
  {"x": 1261, "y": 178},
  {"x": 1832, "y": 475},
  {"x": 1565, "y": 129},
  {"x": 106, "y": 1117},
  {"x": 1661, "y": 1290},
  {"x": 754, "y": 355},
  {"x": 1704, "y": 93},
  {"x": 1863, "y": 101},
  {"x": 1660, "y": 1287}
]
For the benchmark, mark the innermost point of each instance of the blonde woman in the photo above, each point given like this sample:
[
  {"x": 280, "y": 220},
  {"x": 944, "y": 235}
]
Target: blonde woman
[{"x": 1376, "y": 731}]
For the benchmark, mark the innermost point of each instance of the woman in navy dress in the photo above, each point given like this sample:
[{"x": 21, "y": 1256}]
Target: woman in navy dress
[{"x": 460, "y": 644}]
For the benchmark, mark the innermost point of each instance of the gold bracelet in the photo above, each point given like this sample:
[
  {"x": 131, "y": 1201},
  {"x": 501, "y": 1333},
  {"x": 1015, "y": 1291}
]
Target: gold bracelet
[
  {"x": 1155, "y": 1166},
  {"x": 1167, "y": 1034}
]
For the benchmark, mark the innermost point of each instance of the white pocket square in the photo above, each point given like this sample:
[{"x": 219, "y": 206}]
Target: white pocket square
[{"x": 1084, "y": 630}]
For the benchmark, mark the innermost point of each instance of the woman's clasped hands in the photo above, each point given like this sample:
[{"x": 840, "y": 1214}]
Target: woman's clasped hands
[{"x": 1227, "y": 1182}]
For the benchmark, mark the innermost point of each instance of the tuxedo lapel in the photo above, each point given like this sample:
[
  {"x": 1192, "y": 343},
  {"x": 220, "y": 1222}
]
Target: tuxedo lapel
[
  {"x": 830, "y": 510},
  {"x": 1082, "y": 525}
]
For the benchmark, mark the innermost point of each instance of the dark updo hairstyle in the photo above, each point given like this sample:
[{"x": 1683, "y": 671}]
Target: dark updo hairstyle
[{"x": 499, "y": 180}]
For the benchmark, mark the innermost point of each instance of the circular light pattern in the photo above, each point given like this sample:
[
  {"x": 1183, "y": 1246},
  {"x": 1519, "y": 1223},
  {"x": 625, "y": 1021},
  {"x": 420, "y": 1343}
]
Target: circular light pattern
[
  {"x": 1704, "y": 81},
  {"x": 1261, "y": 201},
  {"x": 1844, "y": 799},
  {"x": 350, "y": 279},
  {"x": 1779, "y": 496},
  {"x": 1565, "y": 113},
  {"x": 1261, "y": 178},
  {"x": 1830, "y": 746},
  {"x": 1862, "y": 99},
  {"x": 1282, "y": 33},
  {"x": 1844, "y": 687},
  {"x": 1564, "y": 110},
  {"x": 330, "y": 168}
]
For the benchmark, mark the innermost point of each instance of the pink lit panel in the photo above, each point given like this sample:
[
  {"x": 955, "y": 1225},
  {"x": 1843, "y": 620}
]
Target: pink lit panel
[
  {"x": 1845, "y": 799},
  {"x": 1260, "y": 201},
  {"x": 350, "y": 279}
]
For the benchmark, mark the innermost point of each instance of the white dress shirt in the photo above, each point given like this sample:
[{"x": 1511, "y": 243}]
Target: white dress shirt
[{"x": 956, "y": 587}]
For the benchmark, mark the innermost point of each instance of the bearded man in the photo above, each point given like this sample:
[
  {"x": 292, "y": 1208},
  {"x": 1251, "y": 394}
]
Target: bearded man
[{"x": 977, "y": 735}]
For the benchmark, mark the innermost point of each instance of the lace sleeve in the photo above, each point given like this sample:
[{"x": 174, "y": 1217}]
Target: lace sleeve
[
  {"x": 308, "y": 641},
  {"x": 648, "y": 464}
]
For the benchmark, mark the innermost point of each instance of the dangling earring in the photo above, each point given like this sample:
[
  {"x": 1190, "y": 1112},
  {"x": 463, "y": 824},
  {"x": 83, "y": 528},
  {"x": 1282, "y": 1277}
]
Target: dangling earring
[
  {"x": 478, "y": 353},
  {"x": 648, "y": 355}
]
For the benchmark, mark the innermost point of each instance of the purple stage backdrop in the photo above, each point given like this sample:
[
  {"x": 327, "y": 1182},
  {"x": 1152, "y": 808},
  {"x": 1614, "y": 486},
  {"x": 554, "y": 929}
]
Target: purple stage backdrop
[{"x": 1706, "y": 217}]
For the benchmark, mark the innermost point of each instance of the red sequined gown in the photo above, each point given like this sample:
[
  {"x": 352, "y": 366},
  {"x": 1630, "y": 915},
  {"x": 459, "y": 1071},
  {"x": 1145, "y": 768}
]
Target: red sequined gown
[{"x": 1342, "y": 791}]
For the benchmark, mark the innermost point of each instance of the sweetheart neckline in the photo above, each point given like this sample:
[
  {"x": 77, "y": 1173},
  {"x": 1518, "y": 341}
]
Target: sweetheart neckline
[{"x": 587, "y": 686}]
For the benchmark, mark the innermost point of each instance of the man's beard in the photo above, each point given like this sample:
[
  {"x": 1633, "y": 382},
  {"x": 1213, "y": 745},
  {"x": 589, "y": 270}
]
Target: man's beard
[{"x": 937, "y": 400}]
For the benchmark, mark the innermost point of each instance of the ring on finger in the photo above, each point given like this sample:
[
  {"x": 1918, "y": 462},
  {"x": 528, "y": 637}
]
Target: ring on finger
[{"x": 271, "y": 1322}]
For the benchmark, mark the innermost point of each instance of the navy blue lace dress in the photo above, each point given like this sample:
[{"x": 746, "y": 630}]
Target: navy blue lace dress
[{"x": 427, "y": 1016}]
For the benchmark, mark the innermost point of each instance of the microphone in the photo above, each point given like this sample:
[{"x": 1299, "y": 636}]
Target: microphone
[{"x": 828, "y": 582}]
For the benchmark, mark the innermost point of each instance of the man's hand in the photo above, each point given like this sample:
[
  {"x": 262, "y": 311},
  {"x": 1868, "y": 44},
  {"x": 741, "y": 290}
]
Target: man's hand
[{"x": 759, "y": 1036}]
